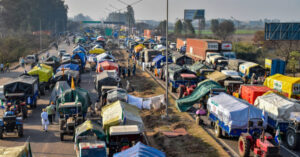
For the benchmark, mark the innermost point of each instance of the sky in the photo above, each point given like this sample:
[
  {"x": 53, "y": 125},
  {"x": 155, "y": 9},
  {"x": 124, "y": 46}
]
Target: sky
[{"x": 244, "y": 10}]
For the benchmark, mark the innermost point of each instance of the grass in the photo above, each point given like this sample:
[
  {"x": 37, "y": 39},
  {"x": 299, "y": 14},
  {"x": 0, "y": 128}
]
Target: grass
[{"x": 237, "y": 32}]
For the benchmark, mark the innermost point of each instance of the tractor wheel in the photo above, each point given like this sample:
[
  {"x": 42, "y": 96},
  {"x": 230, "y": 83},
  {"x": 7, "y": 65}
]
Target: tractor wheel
[
  {"x": 61, "y": 124},
  {"x": 218, "y": 130},
  {"x": 292, "y": 139},
  {"x": 20, "y": 130},
  {"x": 43, "y": 91},
  {"x": 244, "y": 146},
  {"x": 1, "y": 133},
  {"x": 24, "y": 112},
  {"x": 180, "y": 92},
  {"x": 61, "y": 136}
]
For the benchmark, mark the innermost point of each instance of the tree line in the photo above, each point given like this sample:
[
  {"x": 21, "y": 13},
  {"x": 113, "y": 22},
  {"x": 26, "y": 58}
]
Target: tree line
[{"x": 33, "y": 15}]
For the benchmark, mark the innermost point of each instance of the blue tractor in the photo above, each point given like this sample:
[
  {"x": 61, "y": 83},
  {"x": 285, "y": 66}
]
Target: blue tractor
[{"x": 11, "y": 123}]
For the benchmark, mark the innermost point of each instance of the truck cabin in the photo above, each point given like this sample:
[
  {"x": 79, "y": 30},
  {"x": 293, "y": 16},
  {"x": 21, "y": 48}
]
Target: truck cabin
[
  {"x": 70, "y": 109},
  {"x": 229, "y": 55},
  {"x": 232, "y": 86},
  {"x": 221, "y": 64},
  {"x": 258, "y": 71},
  {"x": 104, "y": 93},
  {"x": 114, "y": 95},
  {"x": 209, "y": 55}
]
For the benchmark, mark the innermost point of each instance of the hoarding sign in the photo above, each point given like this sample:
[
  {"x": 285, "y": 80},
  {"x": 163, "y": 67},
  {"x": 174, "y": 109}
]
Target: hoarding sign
[
  {"x": 277, "y": 85},
  {"x": 194, "y": 14},
  {"x": 213, "y": 46},
  {"x": 226, "y": 46},
  {"x": 108, "y": 31},
  {"x": 282, "y": 31}
]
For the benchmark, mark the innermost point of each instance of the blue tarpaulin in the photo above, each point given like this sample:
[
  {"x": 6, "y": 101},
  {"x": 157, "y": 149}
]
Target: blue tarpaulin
[
  {"x": 79, "y": 49},
  {"x": 158, "y": 59},
  {"x": 82, "y": 58},
  {"x": 140, "y": 150},
  {"x": 70, "y": 66}
]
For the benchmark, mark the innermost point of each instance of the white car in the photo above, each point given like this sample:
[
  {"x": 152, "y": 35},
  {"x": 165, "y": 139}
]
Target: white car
[{"x": 66, "y": 57}]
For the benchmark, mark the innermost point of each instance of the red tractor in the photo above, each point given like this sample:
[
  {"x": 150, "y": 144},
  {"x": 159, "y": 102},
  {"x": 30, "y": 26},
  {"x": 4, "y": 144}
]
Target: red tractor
[
  {"x": 185, "y": 90},
  {"x": 262, "y": 144}
]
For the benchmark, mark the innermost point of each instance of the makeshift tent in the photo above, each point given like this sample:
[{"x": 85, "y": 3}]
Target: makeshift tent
[
  {"x": 43, "y": 66},
  {"x": 159, "y": 60},
  {"x": 202, "y": 89},
  {"x": 106, "y": 78},
  {"x": 17, "y": 151},
  {"x": 44, "y": 73},
  {"x": 89, "y": 128},
  {"x": 147, "y": 103},
  {"x": 217, "y": 76},
  {"x": 70, "y": 96},
  {"x": 196, "y": 67},
  {"x": 140, "y": 150},
  {"x": 70, "y": 61},
  {"x": 250, "y": 93},
  {"x": 67, "y": 75},
  {"x": 180, "y": 59},
  {"x": 79, "y": 49},
  {"x": 105, "y": 56},
  {"x": 139, "y": 48},
  {"x": 97, "y": 49},
  {"x": 70, "y": 66},
  {"x": 277, "y": 106},
  {"x": 23, "y": 84},
  {"x": 285, "y": 84},
  {"x": 120, "y": 113},
  {"x": 234, "y": 112},
  {"x": 82, "y": 58},
  {"x": 149, "y": 54},
  {"x": 58, "y": 88},
  {"x": 107, "y": 65},
  {"x": 114, "y": 95}
]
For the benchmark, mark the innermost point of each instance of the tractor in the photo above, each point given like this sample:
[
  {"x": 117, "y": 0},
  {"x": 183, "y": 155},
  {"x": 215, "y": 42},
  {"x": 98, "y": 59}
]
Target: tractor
[
  {"x": 10, "y": 123},
  {"x": 16, "y": 103},
  {"x": 260, "y": 142}
]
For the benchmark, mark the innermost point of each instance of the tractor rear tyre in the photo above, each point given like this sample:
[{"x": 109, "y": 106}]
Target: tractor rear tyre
[
  {"x": 61, "y": 136},
  {"x": 24, "y": 112},
  {"x": 244, "y": 146},
  {"x": 1, "y": 133},
  {"x": 20, "y": 130},
  {"x": 292, "y": 139},
  {"x": 218, "y": 130},
  {"x": 61, "y": 124}
]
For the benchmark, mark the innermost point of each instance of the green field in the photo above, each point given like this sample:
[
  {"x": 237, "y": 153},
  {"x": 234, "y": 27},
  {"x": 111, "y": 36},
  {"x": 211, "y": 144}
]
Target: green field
[{"x": 240, "y": 31}]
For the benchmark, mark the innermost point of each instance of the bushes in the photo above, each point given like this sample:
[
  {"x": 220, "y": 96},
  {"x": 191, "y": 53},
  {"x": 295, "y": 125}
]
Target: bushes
[{"x": 247, "y": 51}]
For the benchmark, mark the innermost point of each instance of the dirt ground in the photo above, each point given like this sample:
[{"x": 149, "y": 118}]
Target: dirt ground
[{"x": 196, "y": 143}]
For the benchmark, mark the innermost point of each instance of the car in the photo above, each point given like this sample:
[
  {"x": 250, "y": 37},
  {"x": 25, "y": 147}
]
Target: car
[
  {"x": 30, "y": 59},
  {"x": 173, "y": 46},
  {"x": 66, "y": 57}
]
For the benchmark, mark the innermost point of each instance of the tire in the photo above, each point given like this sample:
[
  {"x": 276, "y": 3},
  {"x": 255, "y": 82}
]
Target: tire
[
  {"x": 20, "y": 130},
  {"x": 244, "y": 146},
  {"x": 218, "y": 131},
  {"x": 292, "y": 139},
  {"x": 61, "y": 135},
  {"x": 43, "y": 91},
  {"x": 24, "y": 112},
  {"x": 1, "y": 133},
  {"x": 180, "y": 92},
  {"x": 61, "y": 124}
]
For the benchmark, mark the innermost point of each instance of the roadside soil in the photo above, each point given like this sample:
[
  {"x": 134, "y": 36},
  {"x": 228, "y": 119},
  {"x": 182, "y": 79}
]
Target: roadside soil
[{"x": 196, "y": 143}]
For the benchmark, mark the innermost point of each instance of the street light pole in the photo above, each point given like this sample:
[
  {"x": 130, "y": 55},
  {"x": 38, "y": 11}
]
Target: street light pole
[{"x": 167, "y": 59}]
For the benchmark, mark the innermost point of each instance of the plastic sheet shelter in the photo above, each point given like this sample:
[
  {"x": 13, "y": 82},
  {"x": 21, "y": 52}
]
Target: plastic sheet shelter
[
  {"x": 140, "y": 150},
  {"x": 120, "y": 113},
  {"x": 23, "y": 84},
  {"x": 149, "y": 54},
  {"x": 139, "y": 48},
  {"x": 250, "y": 93},
  {"x": 159, "y": 60},
  {"x": 106, "y": 78},
  {"x": 82, "y": 58},
  {"x": 44, "y": 66},
  {"x": 18, "y": 151},
  {"x": 79, "y": 49},
  {"x": 180, "y": 59},
  {"x": 70, "y": 66},
  {"x": 104, "y": 56},
  {"x": 67, "y": 75},
  {"x": 287, "y": 85},
  {"x": 107, "y": 65},
  {"x": 97, "y": 50},
  {"x": 277, "y": 106},
  {"x": 89, "y": 128},
  {"x": 70, "y": 96},
  {"x": 56, "y": 91},
  {"x": 234, "y": 112},
  {"x": 44, "y": 74},
  {"x": 217, "y": 76},
  {"x": 196, "y": 67},
  {"x": 201, "y": 90}
]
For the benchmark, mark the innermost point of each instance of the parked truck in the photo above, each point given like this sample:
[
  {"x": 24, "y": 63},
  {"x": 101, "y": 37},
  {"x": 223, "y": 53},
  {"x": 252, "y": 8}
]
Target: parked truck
[{"x": 198, "y": 48}]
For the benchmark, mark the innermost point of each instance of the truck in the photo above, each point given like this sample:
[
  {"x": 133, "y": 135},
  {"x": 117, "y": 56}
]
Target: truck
[
  {"x": 198, "y": 48},
  {"x": 274, "y": 66},
  {"x": 226, "y": 50},
  {"x": 180, "y": 43}
]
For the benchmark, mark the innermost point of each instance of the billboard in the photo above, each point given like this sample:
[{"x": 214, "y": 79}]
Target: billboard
[
  {"x": 282, "y": 31},
  {"x": 192, "y": 14}
]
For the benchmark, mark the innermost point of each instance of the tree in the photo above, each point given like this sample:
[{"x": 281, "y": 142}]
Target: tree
[
  {"x": 222, "y": 30},
  {"x": 188, "y": 28},
  {"x": 161, "y": 28},
  {"x": 81, "y": 17},
  {"x": 178, "y": 27}
]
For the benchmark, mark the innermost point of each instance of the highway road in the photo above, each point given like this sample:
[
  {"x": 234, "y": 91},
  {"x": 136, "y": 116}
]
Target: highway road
[{"x": 229, "y": 143}]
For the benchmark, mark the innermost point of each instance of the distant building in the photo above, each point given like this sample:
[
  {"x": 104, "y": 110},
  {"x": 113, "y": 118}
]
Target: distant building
[{"x": 117, "y": 17}]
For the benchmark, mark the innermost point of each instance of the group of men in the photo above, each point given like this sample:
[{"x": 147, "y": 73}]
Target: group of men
[{"x": 48, "y": 116}]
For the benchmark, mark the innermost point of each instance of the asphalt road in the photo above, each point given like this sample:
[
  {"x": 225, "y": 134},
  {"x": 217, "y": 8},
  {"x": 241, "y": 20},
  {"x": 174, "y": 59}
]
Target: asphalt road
[
  {"x": 43, "y": 144},
  {"x": 228, "y": 142}
]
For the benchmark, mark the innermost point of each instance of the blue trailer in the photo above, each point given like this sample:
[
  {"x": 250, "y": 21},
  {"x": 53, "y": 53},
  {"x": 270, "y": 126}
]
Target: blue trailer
[{"x": 275, "y": 66}]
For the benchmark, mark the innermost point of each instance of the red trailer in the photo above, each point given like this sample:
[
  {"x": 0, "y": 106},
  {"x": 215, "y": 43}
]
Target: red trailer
[
  {"x": 107, "y": 65},
  {"x": 251, "y": 92},
  {"x": 179, "y": 43},
  {"x": 197, "y": 48}
]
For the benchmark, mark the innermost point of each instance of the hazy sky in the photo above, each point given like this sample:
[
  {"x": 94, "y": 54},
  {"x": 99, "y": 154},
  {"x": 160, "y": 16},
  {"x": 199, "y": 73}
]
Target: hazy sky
[{"x": 285, "y": 10}]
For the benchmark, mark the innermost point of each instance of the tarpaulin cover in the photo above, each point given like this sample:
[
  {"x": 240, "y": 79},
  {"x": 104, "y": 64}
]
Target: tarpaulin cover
[
  {"x": 250, "y": 93},
  {"x": 244, "y": 67},
  {"x": 285, "y": 84},
  {"x": 97, "y": 50},
  {"x": 67, "y": 73},
  {"x": 217, "y": 76},
  {"x": 139, "y": 48},
  {"x": 156, "y": 62},
  {"x": 105, "y": 56},
  {"x": 23, "y": 84},
  {"x": 79, "y": 49},
  {"x": 196, "y": 67},
  {"x": 140, "y": 150},
  {"x": 18, "y": 151},
  {"x": 202, "y": 89},
  {"x": 44, "y": 73},
  {"x": 92, "y": 58},
  {"x": 114, "y": 95},
  {"x": 107, "y": 65},
  {"x": 56, "y": 91},
  {"x": 87, "y": 128},
  {"x": 52, "y": 59},
  {"x": 44, "y": 66},
  {"x": 234, "y": 112},
  {"x": 107, "y": 78},
  {"x": 70, "y": 96},
  {"x": 147, "y": 103},
  {"x": 149, "y": 54},
  {"x": 82, "y": 58},
  {"x": 233, "y": 64},
  {"x": 74, "y": 67},
  {"x": 277, "y": 106},
  {"x": 120, "y": 113}
]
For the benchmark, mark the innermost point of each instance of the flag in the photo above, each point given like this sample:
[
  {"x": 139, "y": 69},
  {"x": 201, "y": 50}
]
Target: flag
[
  {"x": 62, "y": 96},
  {"x": 68, "y": 76},
  {"x": 72, "y": 84},
  {"x": 263, "y": 116},
  {"x": 76, "y": 99},
  {"x": 277, "y": 136},
  {"x": 2, "y": 104}
]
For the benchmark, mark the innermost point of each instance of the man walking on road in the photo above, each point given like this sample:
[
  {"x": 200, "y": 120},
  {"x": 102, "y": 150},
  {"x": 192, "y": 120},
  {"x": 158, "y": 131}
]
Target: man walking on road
[
  {"x": 51, "y": 112},
  {"x": 133, "y": 69},
  {"x": 45, "y": 121}
]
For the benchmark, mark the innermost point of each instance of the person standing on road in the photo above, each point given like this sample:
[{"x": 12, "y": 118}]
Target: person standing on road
[
  {"x": 50, "y": 111},
  {"x": 45, "y": 121},
  {"x": 133, "y": 69},
  {"x": 128, "y": 71},
  {"x": 2, "y": 67},
  {"x": 22, "y": 62}
]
